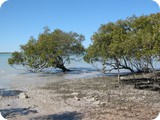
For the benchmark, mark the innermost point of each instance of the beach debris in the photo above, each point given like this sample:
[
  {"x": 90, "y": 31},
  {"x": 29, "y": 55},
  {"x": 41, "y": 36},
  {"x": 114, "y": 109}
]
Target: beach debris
[{"x": 23, "y": 95}]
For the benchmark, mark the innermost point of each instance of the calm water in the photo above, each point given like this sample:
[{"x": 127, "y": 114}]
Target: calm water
[{"x": 13, "y": 78}]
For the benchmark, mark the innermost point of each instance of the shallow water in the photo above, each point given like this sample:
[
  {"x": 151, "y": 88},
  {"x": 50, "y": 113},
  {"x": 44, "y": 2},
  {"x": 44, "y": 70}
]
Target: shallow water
[{"x": 14, "y": 78}]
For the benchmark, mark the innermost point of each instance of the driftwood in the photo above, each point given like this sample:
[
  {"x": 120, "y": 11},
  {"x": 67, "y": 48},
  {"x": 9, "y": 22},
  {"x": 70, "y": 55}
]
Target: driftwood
[{"x": 146, "y": 81}]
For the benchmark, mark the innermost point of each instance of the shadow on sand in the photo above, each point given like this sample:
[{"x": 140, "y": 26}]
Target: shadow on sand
[
  {"x": 9, "y": 93},
  {"x": 63, "y": 116},
  {"x": 9, "y": 113}
]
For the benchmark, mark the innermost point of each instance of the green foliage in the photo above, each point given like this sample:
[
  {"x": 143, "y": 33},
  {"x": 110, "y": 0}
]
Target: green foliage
[
  {"x": 127, "y": 44},
  {"x": 52, "y": 49},
  {"x": 16, "y": 58}
]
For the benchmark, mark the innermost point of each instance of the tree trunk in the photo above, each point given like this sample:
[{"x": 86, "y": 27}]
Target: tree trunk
[
  {"x": 118, "y": 74},
  {"x": 63, "y": 68},
  {"x": 104, "y": 67},
  {"x": 117, "y": 62}
]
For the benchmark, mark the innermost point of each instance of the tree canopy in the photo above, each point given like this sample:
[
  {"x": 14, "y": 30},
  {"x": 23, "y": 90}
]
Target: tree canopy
[
  {"x": 51, "y": 49},
  {"x": 131, "y": 44}
]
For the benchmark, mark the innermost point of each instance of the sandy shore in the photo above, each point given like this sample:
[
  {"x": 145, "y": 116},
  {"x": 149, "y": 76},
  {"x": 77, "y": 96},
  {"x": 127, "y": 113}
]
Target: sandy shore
[{"x": 84, "y": 99}]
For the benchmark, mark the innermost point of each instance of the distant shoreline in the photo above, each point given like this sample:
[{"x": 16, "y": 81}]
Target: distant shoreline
[{"x": 5, "y": 52}]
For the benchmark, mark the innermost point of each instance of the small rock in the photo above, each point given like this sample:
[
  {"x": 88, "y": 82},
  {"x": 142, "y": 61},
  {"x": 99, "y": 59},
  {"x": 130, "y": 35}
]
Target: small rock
[
  {"x": 102, "y": 103},
  {"x": 97, "y": 102},
  {"x": 8, "y": 105},
  {"x": 75, "y": 97},
  {"x": 31, "y": 107},
  {"x": 34, "y": 106},
  {"x": 23, "y": 96},
  {"x": 75, "y": 94},
  {"x": 94, "y": 99},
  {"x": 90, "y": 100},
  {"x": 123, "y": 78}
]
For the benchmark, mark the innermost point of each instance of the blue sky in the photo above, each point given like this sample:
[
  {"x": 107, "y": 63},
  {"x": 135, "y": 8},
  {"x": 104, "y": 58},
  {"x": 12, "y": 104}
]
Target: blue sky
[{"x": 20, "y": 19}]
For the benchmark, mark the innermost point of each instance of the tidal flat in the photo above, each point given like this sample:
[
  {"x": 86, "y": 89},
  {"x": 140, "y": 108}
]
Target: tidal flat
[{"x": 97, "y": 98}]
